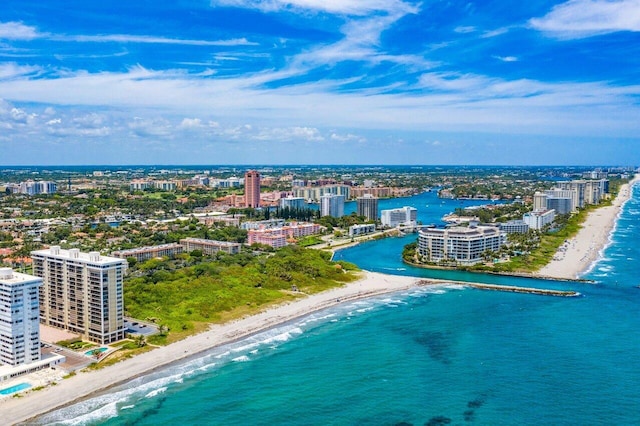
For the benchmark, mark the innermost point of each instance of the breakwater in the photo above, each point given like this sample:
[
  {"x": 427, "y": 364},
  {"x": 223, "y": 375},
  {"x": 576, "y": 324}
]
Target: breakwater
[{"x": 506, "y": 288}]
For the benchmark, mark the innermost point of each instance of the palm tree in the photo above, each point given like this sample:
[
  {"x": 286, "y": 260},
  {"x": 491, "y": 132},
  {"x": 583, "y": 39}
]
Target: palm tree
[{"x": 140, "y": 341}]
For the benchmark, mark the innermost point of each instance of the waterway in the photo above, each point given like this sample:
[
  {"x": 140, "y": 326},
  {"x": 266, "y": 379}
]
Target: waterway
[{"x": 429, "y": 356}]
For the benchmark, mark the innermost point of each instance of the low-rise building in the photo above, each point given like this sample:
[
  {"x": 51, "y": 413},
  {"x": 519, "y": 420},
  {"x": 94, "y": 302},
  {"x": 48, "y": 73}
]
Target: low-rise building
[
  {"x": 514, "y": 227},
  {"x": 149, "y": 252},
  {"x": 262, "y": 224},
  {"x": 362, "y": 229},
  {"x": 279, "y": 237},
  {"x": 210, "y": 247},
  {"x": 275, "y": 238}
]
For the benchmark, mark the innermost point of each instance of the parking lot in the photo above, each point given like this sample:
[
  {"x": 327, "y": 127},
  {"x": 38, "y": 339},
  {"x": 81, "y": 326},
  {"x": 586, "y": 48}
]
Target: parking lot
[{"x": 133, "y": 326}]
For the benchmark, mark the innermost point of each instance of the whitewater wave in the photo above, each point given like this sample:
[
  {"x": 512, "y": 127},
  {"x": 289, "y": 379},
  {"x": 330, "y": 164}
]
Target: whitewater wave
[
  {"x": 104, "y": 407},
  {"x": 156, "y": 392}
]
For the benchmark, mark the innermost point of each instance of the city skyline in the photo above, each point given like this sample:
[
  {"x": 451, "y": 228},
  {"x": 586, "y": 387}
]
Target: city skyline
[{"x": 320, "y": 82}]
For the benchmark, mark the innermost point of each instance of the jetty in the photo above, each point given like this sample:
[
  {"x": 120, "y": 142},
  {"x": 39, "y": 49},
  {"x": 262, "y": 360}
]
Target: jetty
[{"x": 507, "y": 288}]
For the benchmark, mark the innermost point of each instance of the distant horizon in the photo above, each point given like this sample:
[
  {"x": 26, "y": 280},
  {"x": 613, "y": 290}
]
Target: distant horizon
[{"x": 258, "y": 166}]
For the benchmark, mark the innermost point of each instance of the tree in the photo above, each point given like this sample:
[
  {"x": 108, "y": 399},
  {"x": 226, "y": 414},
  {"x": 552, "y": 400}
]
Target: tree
[{"x": 140, "y": 341}]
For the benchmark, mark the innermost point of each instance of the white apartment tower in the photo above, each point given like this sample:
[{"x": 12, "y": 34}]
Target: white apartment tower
[
  {"x": 403, "y": 216},
  {"x": 81, "y": 292},
  {"x": 19, "y": 318},
  {"x": 332, "y": 205}
]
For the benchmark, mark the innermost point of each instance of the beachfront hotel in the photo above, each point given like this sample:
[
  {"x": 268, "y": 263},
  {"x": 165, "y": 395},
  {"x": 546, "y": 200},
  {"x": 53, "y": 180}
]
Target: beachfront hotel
[
  {"x": 252, "y": 189},
  {"x": 81, "y": 292},
  {"x": 464, "y": 245}
]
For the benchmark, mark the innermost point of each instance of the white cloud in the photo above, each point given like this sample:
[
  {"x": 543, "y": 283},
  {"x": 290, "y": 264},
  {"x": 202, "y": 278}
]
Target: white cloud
[
  {"x": 17, "y": 31},
  {"x": 348, "y": 137},
  {"x": 91, "y": 120},
  {"x": 464, "y": 30},
  {"x": 150, "y": 127},
  {"x": 191, "y": 123},
  {"x": 586, "y": 18},
  {"x": 345, "y": 7},
  {"x": 11, "y": 70},
  {"x": 495, "y": 33},
  {"x": 506, "y": 58},
  {"x": 128, "y": 38}
]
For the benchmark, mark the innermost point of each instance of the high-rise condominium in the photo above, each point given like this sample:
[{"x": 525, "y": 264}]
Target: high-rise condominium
[
  {"x": 367, "y": 206},
  {"x": 81, "y": 292},
  {"x": 332, "y": 205},
  {"x": 19, "y": 318},
  {"x": 252, "y": 189}
]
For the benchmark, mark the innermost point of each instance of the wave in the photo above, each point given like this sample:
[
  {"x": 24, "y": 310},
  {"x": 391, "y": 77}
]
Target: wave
[
  {"x": 615, "y": 230},
  {"x": 104, "y": 407},
  {"x": 242, "y": 358},
  {"x": 156, "y": 392}
]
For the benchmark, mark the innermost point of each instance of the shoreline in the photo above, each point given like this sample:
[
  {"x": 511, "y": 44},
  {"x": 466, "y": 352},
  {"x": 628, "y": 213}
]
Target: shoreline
[
  {"x": 87, "y": 384},
  {"x": 580, "y": 253}
]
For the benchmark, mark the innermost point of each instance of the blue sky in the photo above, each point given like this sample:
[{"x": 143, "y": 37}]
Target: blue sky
[{"x": 320, "y": 82}]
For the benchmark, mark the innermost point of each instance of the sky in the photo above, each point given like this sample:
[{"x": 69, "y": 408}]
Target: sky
[{"x": 320, "y": 82}]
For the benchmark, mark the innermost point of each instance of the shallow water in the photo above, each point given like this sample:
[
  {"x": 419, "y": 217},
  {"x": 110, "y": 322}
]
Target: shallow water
[{"x": 419, "y": 357}]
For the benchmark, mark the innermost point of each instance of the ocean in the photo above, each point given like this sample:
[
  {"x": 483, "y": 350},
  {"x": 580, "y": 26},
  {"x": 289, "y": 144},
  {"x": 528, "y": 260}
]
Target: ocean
[{"x": 426, "y": 356}]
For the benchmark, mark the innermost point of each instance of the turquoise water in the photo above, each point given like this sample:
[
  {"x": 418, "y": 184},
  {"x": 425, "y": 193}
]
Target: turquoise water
[
  {"x": 92, "y": 351},
  {"x": 424, "y": 356},
  {"x": 14, "y": 389}
]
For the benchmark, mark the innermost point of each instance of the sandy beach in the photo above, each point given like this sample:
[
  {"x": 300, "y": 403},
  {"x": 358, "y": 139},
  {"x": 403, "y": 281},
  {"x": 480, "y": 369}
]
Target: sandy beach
[
  {"x": 32, "y": 404},
  {"x": 578, "y": 254}
]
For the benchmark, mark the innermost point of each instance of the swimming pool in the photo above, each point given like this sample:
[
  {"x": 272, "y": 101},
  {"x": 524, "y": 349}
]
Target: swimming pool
[
  {"x": 92, "y": 351},
  {"x": 15, "y": 388}
]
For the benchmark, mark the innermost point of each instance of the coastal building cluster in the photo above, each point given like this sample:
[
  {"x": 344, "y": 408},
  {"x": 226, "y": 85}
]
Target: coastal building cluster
[
  {"x": 31, "y": 187},
  {"x": 82, "y": 291}
]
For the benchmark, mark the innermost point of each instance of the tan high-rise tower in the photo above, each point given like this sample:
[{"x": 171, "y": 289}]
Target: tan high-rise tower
[{"x": 252, "y": 189}]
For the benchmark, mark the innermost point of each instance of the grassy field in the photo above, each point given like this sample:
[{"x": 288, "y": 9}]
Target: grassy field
[{"x": 186, "y": 300}]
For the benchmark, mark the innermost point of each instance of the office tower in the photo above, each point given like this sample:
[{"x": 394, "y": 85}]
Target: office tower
[
  {"x": 19, "y": 318},
  {"x": 81, "y": 292},
  {"x": 332, "y": 205},
  {"x": 252, "y": 189},
  {"x": 367, "y": 206}
]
